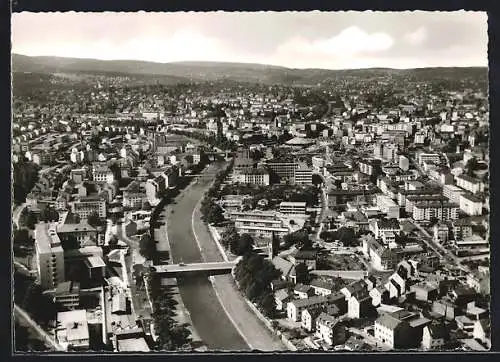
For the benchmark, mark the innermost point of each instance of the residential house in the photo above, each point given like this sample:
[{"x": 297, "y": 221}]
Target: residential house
[
  {"x": 330, "y": 330},
  {"x": 308, "y": 257},
  {"x": 321, "y": 287},
  {"x": 393, "y": 332},
  {"x": 434, "y": 336},
  {"x": 482, "y": 331},
  {"x": 308, "y": 318},
  {"x": 282, "y": 297},
  {"x": 303, "y": 291}
]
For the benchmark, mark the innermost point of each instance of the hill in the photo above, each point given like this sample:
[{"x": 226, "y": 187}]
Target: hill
[{"x": 207, "y": 71}]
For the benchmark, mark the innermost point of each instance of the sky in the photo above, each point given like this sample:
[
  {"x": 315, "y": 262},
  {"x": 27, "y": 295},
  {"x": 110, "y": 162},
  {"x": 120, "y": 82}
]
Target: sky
[{"x": 329, "y": 40}]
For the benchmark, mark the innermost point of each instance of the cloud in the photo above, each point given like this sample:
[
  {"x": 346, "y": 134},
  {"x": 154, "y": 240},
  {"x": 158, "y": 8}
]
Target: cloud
[
  {"x": 350, "y": 47},
  {"x": 299, "y": 40},
  {"x": 416, "y": 37}
]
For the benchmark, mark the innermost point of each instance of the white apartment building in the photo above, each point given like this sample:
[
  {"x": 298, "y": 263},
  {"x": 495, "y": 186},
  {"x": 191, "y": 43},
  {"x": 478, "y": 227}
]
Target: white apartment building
[
  {"x": 452, "y": 193},
  {"x": 293, "y": 207},
  {"x": 85, "y": 206},
  {"x": 442, "y": 211},
  {"x": 252, "y": 176},
  {"x": 49, "y": 256},
  {"x": 426, "y": 157},
  {"x": 470, "y": 184},
  {"x": 471, "y": 205},
  {"x": 102, "y": 174}
]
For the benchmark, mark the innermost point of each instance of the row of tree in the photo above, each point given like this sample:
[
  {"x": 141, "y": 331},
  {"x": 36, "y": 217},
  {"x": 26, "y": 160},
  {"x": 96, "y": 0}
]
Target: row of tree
[
  {"x": 254, "y": 274},
  {"x": 171, "y": 335},
  {"x": 212, "y": 212}
]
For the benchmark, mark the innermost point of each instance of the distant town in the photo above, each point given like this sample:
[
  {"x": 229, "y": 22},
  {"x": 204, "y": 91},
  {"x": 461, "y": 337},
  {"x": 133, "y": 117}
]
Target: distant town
[{"x": 344, "y": 212}]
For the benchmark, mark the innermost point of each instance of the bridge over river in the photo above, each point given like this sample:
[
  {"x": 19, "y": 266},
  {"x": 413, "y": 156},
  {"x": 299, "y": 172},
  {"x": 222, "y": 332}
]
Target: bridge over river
[{"x": 205, "y": 269}]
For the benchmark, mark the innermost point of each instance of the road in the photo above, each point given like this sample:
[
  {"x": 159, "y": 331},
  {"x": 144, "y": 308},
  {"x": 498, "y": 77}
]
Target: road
[
  {"x": 324, "y": 207},
  {"x": 443, "y": 252},
  {"x": 19, "y": 312},
  {"x": 237, "y": 328}
]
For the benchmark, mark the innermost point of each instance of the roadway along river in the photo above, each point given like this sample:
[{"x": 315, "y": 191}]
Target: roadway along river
[{"x": 208, "y": 316}]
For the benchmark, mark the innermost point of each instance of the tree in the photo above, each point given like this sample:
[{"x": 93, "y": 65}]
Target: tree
[
  {"x": 267, "y": 304},
  {"x": 146, "y": 206},
  {"x": 22, "y": 237},
  {"x": 147, "y": 247},
  {"x": 49, "y": 214},
  {"x": 229, "y": 236},
  {"x": 316, "y": 179},
  {"x": 299, "y": 238},
  {"x": 347, "y": 236},
  {"x": 302, "y": 273},
  {"x": 93, "y": 219},
  {"x": 242, "y": 245},
  {"x": 215, "y": 214},
  {"x": 471, "y": 166},
  {"x": 113, "y": 241},
  {"x": 31, "y": 220}
]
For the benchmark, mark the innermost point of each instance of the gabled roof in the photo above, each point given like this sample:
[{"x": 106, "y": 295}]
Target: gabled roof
[
  {"x": 282, "y": 265},
  {"x": 301, "y": 288},
  {"x": 388, "y": 321},
  {"x": 437, "y": 331}
]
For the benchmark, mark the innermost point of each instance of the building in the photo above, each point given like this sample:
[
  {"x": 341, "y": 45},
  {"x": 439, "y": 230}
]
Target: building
[
  {"x": 154, "y": 189},
  {"x": 49, "y": 256},
  {"x": 281, "y": 298},
  {"x": 462, "y": 229},
  {"x": 72, "y": 330},
  {"x": 133, "y": 195},
  {"x": 256, "y": 176},
  {"x": 425, "y": 292},
  {"x": 321, "y": 287},
  {"x": 393, "y": 332},
  {"x": 294, "y": 308},
  {"x": 369, "y": 167},
  {"x": 330, "y": 330},
  {"x": 434, "y": 336},
  {"x": 293, "y": 207},
  {"x": 307, "y": 257},
  {"x": 67, "y": 295},
  {"x": 482, "y": 331},
  {"x": 259, "y": 224},
  {"x": 441, "y": 232},
  {"x": 470, "y": 184},
  {"x": 359, "y": 305},
  {"x": 379, "y": 227},
  {"x": 308, "y": 318},
  {"x": 428, "y": 157},
  {"x": 404, "y": 163},
  {"x": 96, "y": 267},
  {"x": 303, "y": 291},
  {"x": 388, "y": 206},
  {"x": 85, "y": 206},
  {"x": 303, "y": 175},
  {"x": 452, "y": 193},
  {"x": 440, "y": 210},
  {"x": 471, "y": 205},
  {"x": 102, "y": 173},
  {"x": 285, "y": 170}
]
